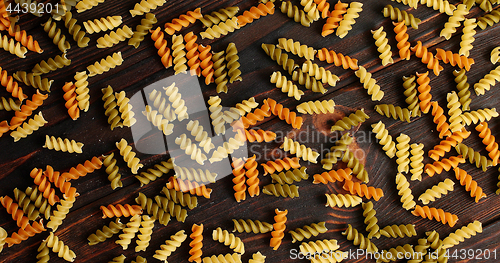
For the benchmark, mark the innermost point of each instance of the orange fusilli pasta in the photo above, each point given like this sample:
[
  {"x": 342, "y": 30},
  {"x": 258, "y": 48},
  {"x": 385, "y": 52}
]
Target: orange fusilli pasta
[
  {"x": 334, "y": 18},
  {"x": 239, "y": 179},
  {"x": 402, "y": 38},
  {"x": 284, "y": 113},
  {"x": 469, "y": 183},
  {"x": 81, "y": 170},
  {"x": 25, "y": 39},
  {"x": 252, "y": 175},
  {"x": 196, "y": 244},
  {"x": 70, "y": 98},
  {"x": 333, "y": 176},
  {"x": 440, "y": 120},
  {"x": 206, "y": 63},
  {"x": 44, "y": 186},
  {"x": 183, "y": 21},
  {"x": 489, "y": 141},
  {"x": 362, "y": 190},
  {"x": 445, "y": 145},
  {"x": 279, "y": 165},
  {"x": 255, "y": 13},
  {"x": 11, "y": 85},
  {"x": 60, "y": 182},
  {"x": 192, "y": 54},
  {"x": 27, "y": 109},
  {"x": 187, "y": 186},
  {"x": 161, "y": 44},
  {"x": 337, "y": 58},
  {"x": 445, "y": 164},
  {"x": 23, "y": 234},
  {"x": 13, "y": 209},
  {"x": 120, "y": 210},
  {"x": 425, "y": 91},
  {"x": 258, "y": 115},
  {"x": 427, "y": 58},
  {"x": 278, "y": 228},
  {"x": 454, "y": 59},
  {"x": 438, "y": 214}
]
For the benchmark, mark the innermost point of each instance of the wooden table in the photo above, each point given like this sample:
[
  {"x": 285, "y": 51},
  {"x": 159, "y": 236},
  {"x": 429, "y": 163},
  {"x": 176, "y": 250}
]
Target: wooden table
[{"x": 142, "y": 67}]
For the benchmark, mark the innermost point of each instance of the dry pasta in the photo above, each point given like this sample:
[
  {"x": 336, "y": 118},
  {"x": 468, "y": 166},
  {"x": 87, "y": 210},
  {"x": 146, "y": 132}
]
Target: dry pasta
[
  {"x": 454, "y": 21},
  {"x": 28, "y": 127},
  {"x": 218, "y": 16},
  {"x": 385, "y": 139},
  {"x": 55, "y": 34},
  {"x": 75, "y": 30},
  {"x": 278, "y": 228},
  {"x": 362, "y": 190},
  {"x": 125, "y": 109},
  {"x": 43, "y": 252},
  {"x": 383, "y": 48},
  {"x": 170, "y": 245},
  {"x": 129, "y": 232},
  {"x": 289, "y": 177},
  {"x": 255, "y": 12},
  {"x": 230, "y": 240},
  {"x": 281, "y": 190},
  {"x": 201, "y": 136},
  {"x": 403, "y": 153},
  {"x": 232, "y": 63},
  {"x": 298, "y": 15},
  {"x": 299, "y": 150},
  {"x": 173, "y": 209},
  {"x": 161, "y": 44},
  {"x": 405, "y": 192},
  {"x": 9, "y": 104},
  {"x": 311, "y": 9},
  {"x": 400, "y": 15},
  {"x": 129, "y": 156},
  {"x": 358, "y": 239},
  {"x": 461, "y": 234},
  {"x": 27, "y": 109},
  {"x": 142, "y": 29},
  {"x": 58, "y": 246},
  {"x": 489, "y": 141},
  {"x": 336, "y": 151},
  {"x": 178, "y": 103},
  {"x": 110, "y": 107},
  {"x": 145, "y": 6},
  {"x": 105, "y": 64},
  {"x": 58, "y": 144},
  {"x": 395, "y": 112},
  {"x": 196, "y": 243},
  {"x": 473, "y": 156},
  {"x": 411, "y": 95},
  {"x": 443, "y": 6},
  {"x": 190, "y": 149},
  {"x": 12, "y": 46},
  {"x": 60, "y": 214},
  {"x": 34, "y": 81},
  {"x": 296, "y": 48},
  {"x": 183, "y": 21},
  {"x": 495, "y": 55},
  {"x": 106, "y": 232},
  {"x": 146, "y": 231},
  {"x": 51, "y": 64},
  {"x": 333, "y": 176},
  {"x": 341, "y": 200},
  {"x": 221, "y": 29},
  {"x": 156, "y": 172},
  {"x": 470, "y": 184},
  {"x": 338, "y": 59},
  {"x": 82, "y": 90},
  {"x": 402, "y": 39},
  {"x": 286, "y": 85},
  {"x": 280, "y": 57},
  {"x": 454, "y": 59},
  {"x": 158, "y": 120},
  {"x": 85, "y": 5},
  {"x": 250, "y": 226},
  {"x": 103, "y": 24},
  {"x": 487, "y": 81},
  {"x": 112, "y": 170},
  {"x": 257, "y": 258},
  {"x": 438, "y": 214},
  {"x": 114, "y": 37},
  {"x": 320, "y": 73},
  {"x": 317, "y": 107},
  {"x": 370, "y": 220},
  {"x": 349, "y": 19},
  {"x": 23, "y": 37},
  {"x": 119, "y": 259},
  {"x": 180, "y": 198},
  {"x": 369, "y": 84},
  {"x": 153, "y": 209},
  {"x": 427, "y": 58},
  {"x": 335, "y": 16},
  {"x": 139, "y": 259},
  {"x": 220, "y": 72},
  {"x": 398, "y": 231},
  {"x": 308, "y": 231},
  {"x": 431, "y": 194},
  {"x": 467, "y": 36},
  {"x": 284, "y": 113},
  {"x": 347, "y": 123},
  {"x": 308, "y": 81},
  {"x": 463, "y": 89}
]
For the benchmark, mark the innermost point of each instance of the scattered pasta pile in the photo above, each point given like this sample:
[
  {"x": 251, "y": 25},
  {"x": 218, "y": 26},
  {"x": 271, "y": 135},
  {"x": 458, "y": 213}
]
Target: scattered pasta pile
[{"x": 188, "y": 171}]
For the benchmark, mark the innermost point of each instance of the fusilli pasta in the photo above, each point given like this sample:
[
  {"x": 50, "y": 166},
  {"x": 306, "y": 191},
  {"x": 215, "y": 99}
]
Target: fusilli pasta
[
  {"x": 178, "y": 103},
  {"x": 85, "y": 5},
  {"x": 55, "y": 34},
  {"x": 28, "y": 127},
  {"x": 363, "y": 190},
  {"x": 249, "y": 226},
  {"x": 468, "y": 33},
  {"x": 335, "y": 16},
  {"x": 129, "y": 156},
  {"x": 58, "y": 144},
  {"x": 489, "y": 141},
  {"x": 105, "y": 64},
  {"x": 403, "y": 152},
  {"x": 340, "y": 200},
  {"x": 145, "y": 6},
  {"x": 369, "y": 83},
  {"x": 280, "y": 57},
  {"x": 103, "y": 24},
  {"x": 153, "y": 209},
  {"x": 308, "y": 231},
  {"x": 278, "y": 228},
  {"x": 161, "y": 44},
  {"x": 454, "y": 20},
  {"x": 114, "y": 37},
  {"x": 296, "y": 48},
  {"x": 58, "y": 246},
  {"x": 487, "y": 81},
  {"x": 395, "y": 112},
  {"x": 255, "y": 13},
  {"x": 34, "y": 81},
  {"x": 230, "y": 240},
  {"x": 383, "y": 47},
  {"x": 454, "y": 59},
  {"x": 110, "y": 107},
  {"x": 402, "y": 38},
  {"x": 218, "y": 16},
  {"x": 8, "y": 104},
  {"x": 75, "y": 30},
  {"x": 129, "y": 232},
  {"x": 190, "y": 149},
  {"x": 142, "y": 29},
  {"x": 317, "y": 107},
  {"x": 400, "y": 15},
  {"x": 146, "y": 230},
  {"x": 346, "y": 24},
  {"x": 180, "y": 198},
  {"x": 470, "y": 184},
  {"x": 358, "y": 239},
  {"x": 299, "y": 150},
  {"x": 120, "y": 210},
  {"x": 385, "y": 139},
  {"x": 196, "y": 243},
  {"x": 431, "y": 194},
  {"x": 405, "y": 192},
  {"x": 298, "y": 15},
  {"x": 337, "y": 59},
  {"x": 60, "y": 214},
  {"x": 170, "y": 246},
  {"x": 398, "y": 231},
  {"x": 286, "y": 85},
  {"x": 112, "y": 170},
  {"x": 347, "y": 123},
  {"x": 495, "y": 55},
  {"x": 12, "y": 46},
  {"x": 461, "y": 234},
  {"x": 280, "y": 164},
  {"x": 427, "y": 58},
  {"x": 473, "y": 156},
  {"x": 438, "y": 214}
]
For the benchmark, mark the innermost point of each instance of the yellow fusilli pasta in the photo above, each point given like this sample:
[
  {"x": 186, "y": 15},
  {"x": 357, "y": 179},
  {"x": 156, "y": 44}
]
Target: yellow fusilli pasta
[
  {"x": 145, "y": 6},
  {"x": 370, "y": 220},
  {"x": 105, "y": 64},
  {"x": 468, "y": 33},
  {"x": 298, "y": 15},
  {"x": 443, "y": 6},
  {"x": 308, "y": 231},
  {"x": 320, "y": 73},
  {"x": 286, "y": 85},
  {"x": 454, "y": 111},
  {"x": 9, "y": 104},
  {"x": 12, "y": 46},
  {"x": 398, "y": 231},
  {"x": 250, "y": 226},
  {"x": 463, "y": 233},
  {"x": 454, "y": 20},
  {"x": 55, "y": 34},
  {"x": 369, "y": 83},
  {"x": 51, "y": 64},
  {"x": 146, "y": 231},
  {"x": 398, "y": 15},
  {"x": 85, "y": 5},
  {"x": 178, "y": 103},
  {"x": 158, "y": 121},
  {"x": 103, "y": 24},
  {"x": 221, "y": 29},
  {"x": 317, "y": 107},
  {"x": 431, "y": 194},
  {"x": 129, "y": 156},
  {"x": 416, "y": 161},
  {"x": 114, "y": 37},
  {"x": 230, "y": 240},
  {"x": 232, "y": 63},
  {"x": 33, "y": 80},
  {"x": 142, "y": 29},
  {"x": 28, "y": 127},
  {"x": 218, "y": 16},
  {"x": 283, "y": 190},
  {"x": 190, "y": 149},
  {"x": 495, "y": 55},
  {"x": 385, "y": 139},
  {"x": 58, "y": 144},
  {"x": 403, "y": 153},
  {"x": 358, "y": 239},
  {"x": 395, "y": 112},
  {"x": 347, "y": 123},
  {"x": 340, "y": 200},
  {"x": 58, "y": 246},
  {"x": 308, "y": 81},
  {"x": 383, "y": 47},
  {"x": 129, "y": 232},
  {"x": 60, "y": 214},
  {"x": 296, "y": 48},
  {"x": 405, "y": 192},
  {"x": 346, "y": 24},
  {"x": 307, "y": 154},
  {"x": 170, "y": 245},
  {"x": 157, "y": 171},
  {"x": 125, "y": 108},
  {"x": 75, "y": 30}
]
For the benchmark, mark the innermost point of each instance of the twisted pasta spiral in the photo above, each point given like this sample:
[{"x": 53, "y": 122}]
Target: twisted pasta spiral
[
  {"x": 13, "y": 47},
  {"x": 206, "y": 63},
  {"x": 58, "y": 144},
  {"x": 192, "y": 55},
  {"x": 23, "y": 37},
  {"x": 105, "y": 64},
  {"x": 320, "y": 73},
  {"x": 403, "y": 152},
  {"x": 323, "y": 7},
  {"x": 454, "y": 59},
  {"x": 85, "y": 5},
  {"x": 34, "y": 81},
  {"x": 142, "y": 29},
  {"x": 416, "y": 161},
  {"x": 58, "y": 246},
  {"x": 340, "y": 200},
  {"x": 200, "y": 135},
  {"x": 24, "y": 234},
  {"x": 433, "y": 239},
  {"x": 26, "y": 205},
  {"x": 119, "y": 259},
  {"x": 346, "y": 24},
  {"x": 248, "y": 226},
  {"x": 145, "y": 6},
  {"x": 13, "y": 209},
  {"x": 146, "y": 230},
  {"x": 463, "y": 88},
  {"x": 405, "y": 192},
  {"x": 489, "y": 141},
  {"x": 280, "y": 57},
  {"x": 232, "y": 63},
  {"x": 218, "y": 16},
  {"x": 227, "y": 148},
  {"x": 158, "y": 121},
  {"x": 75, "y": 30},
  {"x": 43, "y": 253},
  {"x": 255, "y": 13},
  {"x": 424, "y": 88},
  {"x": 235, "y": 257},
  {"x": 283, "y": 190},
  {"x": 474, "y": 157},
  {"x": 161, "y": 44},
  {"x": 307, "y": 231},
  {"x": 398, "y": 15},
  {"x": 427, "y": 58},
  {"x": 467, "y": 36},
  {"x": 82, "y": 170},
  {"x": 470, "y": 184},
  {"x": 358, "y": 239},
  {"x": 190, "y": 149},
  {"x": 278, "y": 228},
  {"x": 311, "y": 9},
  {"x": 253, "y": 176},
  {"x": 51, "y": 64},
  {"x": 317, "y": 107},
  {"x": 336, "y": 151},
  {"x": 395, "y": 112},
  {"x": 438, "y": 214},
  {"x": 162, "y": 105},
  {"x": 256, "y": 135},
  {"x": 129, "y": 232},
  {"x": 26, "y": 110},
  {"x": 385, "y": 139},
  {"x": 442, "y": 6},
  {"x": 411, "y": 95},
  {"x": 139, "y": 259},
  {"x": 299, "y": 150},
  {"x": 337, "y": 59},
  {"x": 230, "y": 240},
  {"x": 239, "y": 179},
  {"x": 319, "y": 246},
  {"x": 180, "y": 198},
  {"x": 280, "y": 164},
  {"x": 461, "y": 234},
  {"x": 220, "y": 72},
  {"x": 335, "y": 16},
  {"x": 444, "y": 164},
  {"x": 487, "y": 81},
  {"x": 369, "y": 83},
  {"x": 347, "y": 123},
  {"x": 402, "y": 38},
  {"x": 110, "y": 105},
  {"x": 289, "y": 177},
  {"x": 197, "y": 175},
  {"x": 439, "y": 119},
  {"x": 129, "y": 156},
  {"x": 296, "y": 48},
  {"x": 125, "y": 109},
  {"x": 70, "y": 97},
  {"x": 298, "y": 15},
  {"x": 170, "y": 245},
  {"x": 486, "y": 5},
  {"x": 383, "y": 48},
  {"x": 363, "y": 190},
  {"x": 120, "y": 210},
  {"x": 253, "y": 117},
  {"x": 153, "y": 209},
  {"x": 9, "y": 104},
  {"x": 156, "y": 172},
  {"x": 431, "y": 194},
  {"x": 28, "y": 127},
  {"x": 112, "y": 170},
  {"x": 398, "y": 231},
  {"x": 173, "y": 209},
  {"x": 333, "y": 176},
  {"x": 60, "y": 214},
  {"x": 34, "y": 196},
  {"x": 286, "y": 85},
  {"x": 114, "y": 37},
  {"x": 445, "y": 145},
  {"x": 257, "y": 258},
  {"x": 221, "y": 29},
  {"x": 284, "y": 113},
  {"x": 178, "y": 103},
  {"x": 58, "y": 38},
  {"x": 370, "y": 220},
  {"x": 454, "y": 20},
  {"x": 183, "y": 21},
  {"x": 307, "y": 80},
  {"x": 82, "y": 90},
  {"x": 196, "y": 243},
  {"x": 410, "y": 3},
  {"x": 495, "y": 55},
  {"x": 103, "y": 24},
  {"x": 477, "y": 116},
  {"x": 60, "y": 182}
]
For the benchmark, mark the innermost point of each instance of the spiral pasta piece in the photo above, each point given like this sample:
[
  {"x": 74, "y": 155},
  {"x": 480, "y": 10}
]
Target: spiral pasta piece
[
  {"x": 58, "y": 144},
  {"x": 296, "y": 48},
  {"x": 369, "y": 83},
  {"x": 402, "y": 39},
  {"x": 257, "y": 258},
  {"x": 229, "y": 239},
  {"x": 40, "y": 202},
  {"x": 27, "y": 109},
  {"x": 280, "y": 57},
  {"x": 51, "y": 64},
  {"x": 370, "y": 220},
  {"x": 439, "y": 118},
  {"x": 349, "y": 19},
  {"x": 445, "y": 145},
  {"x": 454, "y": 59},
  {"x": 102, "y": 24},
  {"x": 82, "y": 90},
  {"x": 284, "y": 113},
  {"x": 153, "y": 209},
  {"x": 308, "y": 81},
  {"x": 333, "y": 176},
  {"x": 403, "y": 153},
  {"x": 13, "y": 209},
  {"x": 424, "y": 89},
  {"x": 161, "y": 104},
  {"x": 489, "y": 141},
  {"x": 196, "y": 243},
  {"x": 340, "y": 200},
  {"x": 362, "y": 190},
  {"x": 120, "y": 210},
  {"x": 112, "y": 170},
  {"x": 317, "y": 107},
  {"x": 445, "y": 164},
  {"x": 278, "y": 228},
  {"x": 300, "y": 150},
  {"x": 252, "y": 175},
  {"x": 85, "y": 5},
  {"x": 125, "y": 108},
  {"x": 146, "y": 231},
  {"x": 487, "y": 81},
  {"x": 192, "y": 54},
  {"x": 383, "y": 48},
  {"x": 405, "y": 192},
  {"x": 170, "y": 245},
  {"x": 129, "y": 156},
  {"x": 431, "y": 194},
  {"x": 83, "y": 169},
  {"x": 467, "y": 36},
  {"x": 463, "y": 88},
  {"x": 249, "y": 226},
  {"x": 12, "y": 46},
  {"x": 161, "y": 44},
  {"x": 33, "y": 80},
  {"x": 190, "y": 149},
  {"x": 58, "y": 246},
  {"x": 75, "y": 30},
  {"x": 336, "y": 151},
  {"x": 232, "y": 63},
  {"x": 26, "y": 205},
  {"x": 473, "y": 156},
  {"x": 463, "y": 233},
  {"x": 129, "y": 232},
  {"x": 220, "y": 72},
  {"x": 71, "y": 103},
  {"x": 60, "y": 182},
  {"x": 454, "y": 20},
  {"x": 337, "y": 59},
  {"x": 438, "y": 214},
  {"x": 470, "y": 184},
  {"x": 43, "y": 253},
  {"x": 477, "y": 116},
  {"x": 442, "y": 6},
  {"x": 495, "y": 55},
  {"x": 416, "y": 161},
  {"x": 142, "y": 29},
  {"x": 335, "y": 16},
  {"x": 289, "y": 177},
  {"x": 115, "y": 37},
  {"x": 280, "y": 164},
  {"x": 310, "y": 8},
  {"x": 298, "y": 15},
  {"x": 180, "y": 198},
  {"x": 358, "y": 239},
  {"x": 28, "y": 127},
  {"x": 411, "y": 95},
  {"x": 427, "y": 58},
  {"x": 110, "y": 107},
  {"x": 398, "y": 231},
  {"x": 8, "y": 104},
  {"x": 395, "y": 112},
  {"x": 105, "y": 64},
  {"x": 178, "y": 103},
  {"x": 120, "y": 259},
  {"x": 433, "y": 239},
  {"x": 23, "y": 37},
  {"x": 184, "y": 20},
  {"x": 239, "y": 179},
  {"x": 158, "y": 121},
  {"x": 255, "y": 12},
  {"x": 218, "y": 16},
  {"x": 206, "y": 64},
  {"x": 319, "y": 246},
  {"x": 400, "y": 15},
  {"x": 281, "y": 190},
  {"x": 145, "y": 6},
  {"x": 286, "y": 85},
  {"x": 256, "y": 135},
  {"x": 253, "y": 117},
  {"x": 187, "y": 186},
  {"x": 55, "y": 34},
  {"x": 198, "y": 175},
  {"x": 320, "y": 73},
  {"x": 385, "y": 139},
  {"x": 308, "y": 231},
  {"x": 60, "y": 214},
  {"x": 347, "y": 123}
]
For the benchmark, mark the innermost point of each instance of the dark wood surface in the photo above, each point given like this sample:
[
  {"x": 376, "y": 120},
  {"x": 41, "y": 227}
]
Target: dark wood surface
[{"x": 142, "y": 67}]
